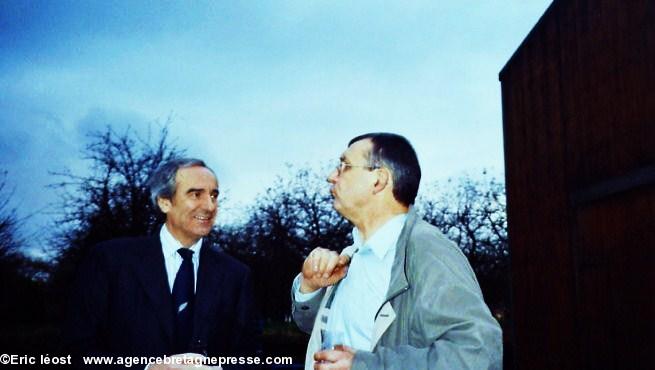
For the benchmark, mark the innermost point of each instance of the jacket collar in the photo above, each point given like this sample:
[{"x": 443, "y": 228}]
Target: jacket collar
[
  {"x": 211, "y": 276},
  {"x": 399, "y": 282},
  {"x": 151, "y": 272}
]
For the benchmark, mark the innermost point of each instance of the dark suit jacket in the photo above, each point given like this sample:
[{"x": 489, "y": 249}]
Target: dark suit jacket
[{"x": 121, "y": 304}]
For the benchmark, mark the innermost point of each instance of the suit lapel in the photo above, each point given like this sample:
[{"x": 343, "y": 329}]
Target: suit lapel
[
  {"x": 151, "y": 272},
  {"x": 210, "y": 280}
]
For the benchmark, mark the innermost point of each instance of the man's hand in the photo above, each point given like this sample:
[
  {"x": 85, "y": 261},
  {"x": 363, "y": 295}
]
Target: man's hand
[
  {"x": 192, "y": 361},
  {"x": 322, "y": 268},
  {"x": 334, "y": 359}
]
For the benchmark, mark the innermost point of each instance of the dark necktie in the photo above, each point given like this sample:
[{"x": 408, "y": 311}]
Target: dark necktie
[{"x": 183, "y": 301}]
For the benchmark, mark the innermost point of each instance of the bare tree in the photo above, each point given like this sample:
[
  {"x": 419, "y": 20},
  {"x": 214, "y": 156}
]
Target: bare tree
[
  {"x": 472, "y": 213},
  {"x": 112, "y": 200},
  {"x": 9, "y": 239},
  {"x": 293, "y": 216},
  {"x": 21, "y": 276}
]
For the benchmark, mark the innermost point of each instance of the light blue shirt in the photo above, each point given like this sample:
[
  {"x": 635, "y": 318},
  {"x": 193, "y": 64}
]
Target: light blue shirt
[
  {"x": 173, "y": 260},
  {"x": 364, "y": 289}
]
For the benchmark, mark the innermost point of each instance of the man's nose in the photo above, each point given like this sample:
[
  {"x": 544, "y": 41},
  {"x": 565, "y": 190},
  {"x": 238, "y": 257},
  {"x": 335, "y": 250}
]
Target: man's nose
[
  {"x": 332, "y": 177},
  {"x": 210, "y": 203}
]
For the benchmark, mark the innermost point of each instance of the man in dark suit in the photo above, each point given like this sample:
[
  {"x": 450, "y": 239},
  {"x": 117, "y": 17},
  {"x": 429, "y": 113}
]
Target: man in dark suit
[{"x": 169, "y": 294}]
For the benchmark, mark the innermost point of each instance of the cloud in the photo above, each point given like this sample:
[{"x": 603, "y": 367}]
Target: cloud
[
  {"x": 251, "y": 86},
  {"x": 97, "y": 120}
]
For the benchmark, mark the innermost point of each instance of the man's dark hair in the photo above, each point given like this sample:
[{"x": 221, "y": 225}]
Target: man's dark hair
[
  {"x": 397, "y": 154},
  {"x": 162, "y": 182}
]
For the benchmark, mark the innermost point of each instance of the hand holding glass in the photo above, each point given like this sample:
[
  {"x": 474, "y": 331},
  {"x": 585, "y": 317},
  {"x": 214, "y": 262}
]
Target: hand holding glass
[{"x": 332, "y": 340}]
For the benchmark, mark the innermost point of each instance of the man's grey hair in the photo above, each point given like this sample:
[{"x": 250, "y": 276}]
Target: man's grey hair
[{"x": 162, "y": 182}]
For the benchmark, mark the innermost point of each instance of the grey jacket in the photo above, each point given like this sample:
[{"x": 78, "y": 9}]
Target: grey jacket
[{"x": 434, "y": 316}]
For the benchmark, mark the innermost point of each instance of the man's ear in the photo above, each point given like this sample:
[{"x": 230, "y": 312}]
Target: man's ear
[
  {"x": 164, "y": 204},
  {"x": 383, "y": 179}
]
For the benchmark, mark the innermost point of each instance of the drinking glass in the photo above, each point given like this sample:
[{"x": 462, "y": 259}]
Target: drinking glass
[{"x": 332, "y": 339}]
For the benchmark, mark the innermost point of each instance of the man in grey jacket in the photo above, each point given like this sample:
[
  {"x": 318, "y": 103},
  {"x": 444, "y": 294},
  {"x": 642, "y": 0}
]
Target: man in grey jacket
[{"x": 402, "y": 296}]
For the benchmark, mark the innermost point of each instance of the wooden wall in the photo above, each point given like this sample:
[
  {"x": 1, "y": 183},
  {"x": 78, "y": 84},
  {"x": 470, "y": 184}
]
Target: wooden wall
[{"x": 579, "y": 129}]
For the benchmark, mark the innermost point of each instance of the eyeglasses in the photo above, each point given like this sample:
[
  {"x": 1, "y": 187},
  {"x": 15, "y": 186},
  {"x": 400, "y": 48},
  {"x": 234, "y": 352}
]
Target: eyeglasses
[{"x": 342, "y": 166}]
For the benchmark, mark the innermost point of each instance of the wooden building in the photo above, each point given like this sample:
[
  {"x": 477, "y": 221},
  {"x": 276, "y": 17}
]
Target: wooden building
[{"x": 579, "y": 128}]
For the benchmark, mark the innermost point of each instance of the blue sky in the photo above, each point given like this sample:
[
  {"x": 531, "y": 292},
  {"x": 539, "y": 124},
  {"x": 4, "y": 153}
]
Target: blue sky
[{"x": 252, "y": 85}]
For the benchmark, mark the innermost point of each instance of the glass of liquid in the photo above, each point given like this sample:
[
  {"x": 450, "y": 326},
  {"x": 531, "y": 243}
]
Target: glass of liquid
[{"x": 332, "y": 339}]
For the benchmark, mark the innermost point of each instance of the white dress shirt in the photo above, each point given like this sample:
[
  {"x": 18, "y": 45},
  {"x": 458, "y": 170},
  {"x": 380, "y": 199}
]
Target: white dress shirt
[
  {"x": 363, "y": 290},
  {"x": 173, "y": 260}
]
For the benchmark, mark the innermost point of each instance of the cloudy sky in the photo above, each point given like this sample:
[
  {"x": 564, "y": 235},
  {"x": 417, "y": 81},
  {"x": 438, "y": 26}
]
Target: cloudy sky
[{"x": 252, "y": 85}]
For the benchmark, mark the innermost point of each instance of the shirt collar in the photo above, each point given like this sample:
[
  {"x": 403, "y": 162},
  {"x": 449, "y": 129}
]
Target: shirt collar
[
  {"x": 170, "y": 245},
  {"x": 384, "y": 239}
]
